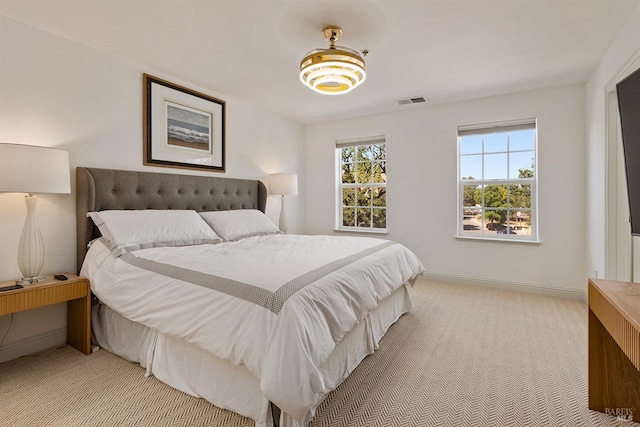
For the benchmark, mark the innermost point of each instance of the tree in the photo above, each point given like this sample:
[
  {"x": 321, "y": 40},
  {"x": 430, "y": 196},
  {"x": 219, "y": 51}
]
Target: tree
[
  {"x": 468, "y": 193},
  {"x": 364, "y": 206},
  {"x": 520, "y": 194},
  {"x": 495, "y": 196},
  {"x": 492, "y": 216},
  {"x": 526, "y": 173}
]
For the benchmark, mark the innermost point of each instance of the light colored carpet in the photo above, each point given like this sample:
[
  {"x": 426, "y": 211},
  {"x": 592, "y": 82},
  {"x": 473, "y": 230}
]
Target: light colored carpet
[{"x": 464, "y": 356}]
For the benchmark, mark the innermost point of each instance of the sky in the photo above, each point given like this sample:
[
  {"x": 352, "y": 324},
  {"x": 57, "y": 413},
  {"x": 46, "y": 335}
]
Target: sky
[{"x": 502, "y": 154}]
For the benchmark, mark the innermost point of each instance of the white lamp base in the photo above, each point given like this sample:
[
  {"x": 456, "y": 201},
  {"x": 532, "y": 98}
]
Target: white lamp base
[
  {"x": 283, "y": 218},
  {"x": 31, "y": 246}
]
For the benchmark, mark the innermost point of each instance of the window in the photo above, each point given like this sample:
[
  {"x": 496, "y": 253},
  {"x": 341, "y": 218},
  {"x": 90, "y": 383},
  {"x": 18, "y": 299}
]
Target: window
[
  {"x": 497, "y": 181},
  {"x": 362, "y": 185}
]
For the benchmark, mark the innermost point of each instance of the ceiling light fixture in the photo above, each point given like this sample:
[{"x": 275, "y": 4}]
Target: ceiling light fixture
[{"x": 333, "y": 71}]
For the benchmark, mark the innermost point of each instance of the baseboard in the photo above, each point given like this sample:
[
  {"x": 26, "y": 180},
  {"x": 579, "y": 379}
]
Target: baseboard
[
  {"x": 506, "y": 285},
  {"x": 33, "y": 344}
]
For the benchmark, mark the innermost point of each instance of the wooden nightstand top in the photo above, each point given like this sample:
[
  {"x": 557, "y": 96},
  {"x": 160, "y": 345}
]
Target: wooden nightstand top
[
  {"x": 75, "y": 290},
  {"x": 47, "y": 292},
  {"x": 49, "y": 281}
]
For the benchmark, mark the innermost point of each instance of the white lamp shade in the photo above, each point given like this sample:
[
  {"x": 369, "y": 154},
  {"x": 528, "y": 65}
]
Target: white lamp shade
[
  {"x": 33, "y": 169},
  {"x": 285, "y": 184}
]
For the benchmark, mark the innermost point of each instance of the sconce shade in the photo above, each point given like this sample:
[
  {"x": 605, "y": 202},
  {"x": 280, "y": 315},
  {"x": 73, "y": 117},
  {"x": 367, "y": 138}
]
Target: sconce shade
[
  {"x": 32, "y": 169},
  {"x": 283, "y": 184}
]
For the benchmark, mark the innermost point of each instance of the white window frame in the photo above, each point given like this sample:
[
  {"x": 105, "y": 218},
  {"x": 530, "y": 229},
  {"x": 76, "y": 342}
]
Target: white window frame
[
  {"x": 499, "y": 127},
  {"x": 348, "y": 143}
]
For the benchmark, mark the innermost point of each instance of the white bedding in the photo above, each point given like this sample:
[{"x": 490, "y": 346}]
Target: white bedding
[
  {"x": 276, "y": 304},
  {"x": 172, "y": 360}
]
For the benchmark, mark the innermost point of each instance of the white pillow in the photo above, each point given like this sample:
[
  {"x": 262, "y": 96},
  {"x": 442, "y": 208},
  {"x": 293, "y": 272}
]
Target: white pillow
[
  {"x": 240, "y": 223},
  {"x": 130, "y": 230}
]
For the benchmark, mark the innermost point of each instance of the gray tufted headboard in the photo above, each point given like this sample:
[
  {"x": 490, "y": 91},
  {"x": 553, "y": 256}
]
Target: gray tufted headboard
[{"x": 102, "y": 189}]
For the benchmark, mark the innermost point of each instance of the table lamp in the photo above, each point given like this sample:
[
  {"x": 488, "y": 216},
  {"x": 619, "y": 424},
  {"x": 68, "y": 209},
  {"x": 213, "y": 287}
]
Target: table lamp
[
  {"x": 283, "y": 184},
  {"x": 31, "y": 169}
]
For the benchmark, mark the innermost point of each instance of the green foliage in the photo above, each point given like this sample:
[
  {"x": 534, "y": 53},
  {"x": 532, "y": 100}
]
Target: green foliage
[
  {"x": 503, "y": 199},
  {"x": 364, "y": 206},
  {"x": 492, "y": 216},
  {"x": 520, "y": 196},
  {"x": 468, "y": 193},
  {"x": 468, "y": 196},
  {"x": 348, "y": 217},
  {"x": 495, "y": 196},
  {"x": 525, "y": 173}
]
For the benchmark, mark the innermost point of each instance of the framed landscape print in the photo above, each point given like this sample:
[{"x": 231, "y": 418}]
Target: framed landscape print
[{"x": 182, "y": 128}]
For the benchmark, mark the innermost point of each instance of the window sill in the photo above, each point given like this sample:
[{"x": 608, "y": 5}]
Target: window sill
[
  {"x": 360, "y": 230},
  {"x": 498, "y": 240}
]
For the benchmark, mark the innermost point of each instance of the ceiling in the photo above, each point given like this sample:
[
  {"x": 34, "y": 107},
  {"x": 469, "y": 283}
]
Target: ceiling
[{"x": 444, "y": 50}]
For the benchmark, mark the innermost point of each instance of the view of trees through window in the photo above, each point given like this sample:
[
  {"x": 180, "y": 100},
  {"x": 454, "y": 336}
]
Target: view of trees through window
[
  {"x": 497, "y": 178},
  {"x": 363, "y": 186}
]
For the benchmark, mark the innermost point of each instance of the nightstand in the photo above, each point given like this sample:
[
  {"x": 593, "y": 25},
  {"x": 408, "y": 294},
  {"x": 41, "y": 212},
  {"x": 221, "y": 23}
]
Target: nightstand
[{"x": 75, "y": 290}]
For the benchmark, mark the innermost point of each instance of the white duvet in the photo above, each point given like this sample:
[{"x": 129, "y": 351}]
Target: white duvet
[{"x": 276, "y": 304}]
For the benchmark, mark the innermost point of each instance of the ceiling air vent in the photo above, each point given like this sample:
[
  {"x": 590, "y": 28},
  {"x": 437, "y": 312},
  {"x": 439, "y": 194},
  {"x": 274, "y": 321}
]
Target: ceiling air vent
[{"x": 416, "y": 100}]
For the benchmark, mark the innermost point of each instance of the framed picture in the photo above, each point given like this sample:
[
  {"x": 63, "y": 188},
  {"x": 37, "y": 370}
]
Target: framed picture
[{"x": 182, "y": 128}]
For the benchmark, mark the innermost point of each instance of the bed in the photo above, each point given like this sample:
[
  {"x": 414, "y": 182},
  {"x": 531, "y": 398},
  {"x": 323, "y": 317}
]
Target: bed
[{"x": 262, "y": 323}]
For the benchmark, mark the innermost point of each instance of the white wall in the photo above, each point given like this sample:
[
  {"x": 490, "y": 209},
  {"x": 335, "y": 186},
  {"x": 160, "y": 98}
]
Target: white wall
[
  {"x": 625, "y": 48},
  {"x": 54, "y": 92},
  {"x": 422, "y": 164}
]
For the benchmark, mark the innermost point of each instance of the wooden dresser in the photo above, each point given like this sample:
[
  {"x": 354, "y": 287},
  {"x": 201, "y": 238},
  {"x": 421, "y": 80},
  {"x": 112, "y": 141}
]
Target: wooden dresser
[{"x": 614, "y": 348}]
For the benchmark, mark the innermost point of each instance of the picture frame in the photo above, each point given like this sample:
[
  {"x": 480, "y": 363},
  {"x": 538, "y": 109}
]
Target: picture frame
[{"x": 182, "y": 128}]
